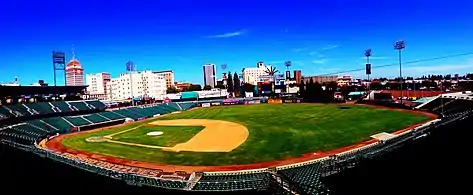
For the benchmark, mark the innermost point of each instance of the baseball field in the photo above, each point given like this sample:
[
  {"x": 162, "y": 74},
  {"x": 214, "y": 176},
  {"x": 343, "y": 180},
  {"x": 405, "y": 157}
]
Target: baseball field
[{"x": 230, "y": 135}]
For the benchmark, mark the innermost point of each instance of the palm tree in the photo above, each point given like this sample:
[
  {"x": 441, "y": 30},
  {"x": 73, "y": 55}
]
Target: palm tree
[{"x": 271, "y": 72}]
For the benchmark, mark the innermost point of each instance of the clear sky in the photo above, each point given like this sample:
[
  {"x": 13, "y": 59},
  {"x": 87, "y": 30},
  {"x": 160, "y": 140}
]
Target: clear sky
[{"x": 319, "y": 37}]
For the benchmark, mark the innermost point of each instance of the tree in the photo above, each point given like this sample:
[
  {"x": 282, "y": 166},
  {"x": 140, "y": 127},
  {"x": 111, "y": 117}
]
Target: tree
[
  {"x": 302, "y": 91},
  {"x": 229, "y": 83},
  {"x": 207, "y": 87},
  {"x": 376, "y": 85},
  {"x": 172, "y": 89},
  {"x": 236, "y": 85},
  {"x": 271, "y": 72},
  {"x": 220, "y": 86},
  {"x": 194, "y": 88},
  {"x": 310, "y": 90},
  {"x": 246, "y": 87}
]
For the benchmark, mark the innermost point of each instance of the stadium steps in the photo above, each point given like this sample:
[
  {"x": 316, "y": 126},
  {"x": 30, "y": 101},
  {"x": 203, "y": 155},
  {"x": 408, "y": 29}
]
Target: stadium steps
[
  {"x": 104, "y": 117},
  {"x": 72, "y": 107},
  {"x": 427, "y": 102},
  {"x": 445, "y": 104},
  {"x": 49, "y": 125},
  {"x": 191, "y": 183},
  {"x": 180, "y": 108},
  {"x": 39, "y": 128},
  {"x": 90, "y": 106},
  {"x": 31, "y": 111},
  {"x": 87, "y": 120},
  {"x": 67, "y": 121},
  {"x": 285, "y": 185},
  {"x": 13, "y": 112},
  {"x": 96, "y": 104},
  {"x": 54, "y": 108}
]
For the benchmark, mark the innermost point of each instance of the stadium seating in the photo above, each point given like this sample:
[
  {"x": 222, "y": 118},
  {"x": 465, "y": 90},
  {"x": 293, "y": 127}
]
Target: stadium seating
[
  {"x": 232, "y": 182},
  {"x": 111, "y": 115},
  {"x": 42, "y": 107},
  {"x": 96, "y": 118},
  {"x": 59, "y": 123},
  {"x": 18, "y": 110},
  {"x": 307, "y": 176},
  {"x": 129, "y": 114},
  {"x": 77, "y": 121},
  {"x": 187, "y": 105}
]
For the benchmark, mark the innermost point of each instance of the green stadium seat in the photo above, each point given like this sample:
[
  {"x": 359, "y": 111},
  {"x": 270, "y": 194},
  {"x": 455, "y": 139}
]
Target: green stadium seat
[
  {"x": 42, "y": 125},
  {"x": 58, "y": 122},
  {"x": 129, "y": 114},
  {"x": 77, "y": 120},
  {"x": 18, "y": 109},
  {"x": 63, "y": 106},
  {"x": 80, "y": 105},
  {"x": 4, "y": 113},
  {"x": 96, "y": 104},
  {"x": 187, "y": 105},
  {"x": 41, "y": 107},
  {"x": 112, "y": 115},
  {"x": 95, "y": 118}
]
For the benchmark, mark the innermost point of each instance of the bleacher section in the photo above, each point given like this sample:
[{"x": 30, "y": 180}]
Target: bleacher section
[
  {"x": 232, "y": 182},
  {"x": 42, "y": 108},
  {"x": 53, "y": 125}
]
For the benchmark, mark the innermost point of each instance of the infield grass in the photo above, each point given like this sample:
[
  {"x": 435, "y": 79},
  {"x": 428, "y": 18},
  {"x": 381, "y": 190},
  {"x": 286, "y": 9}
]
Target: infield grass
[
  {"x": 171, "y": 136},
  {"x": 277, "y": 131}
]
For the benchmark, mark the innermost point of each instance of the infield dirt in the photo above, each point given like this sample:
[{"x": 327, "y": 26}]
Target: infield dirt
[{"x": 217, "y": 136}]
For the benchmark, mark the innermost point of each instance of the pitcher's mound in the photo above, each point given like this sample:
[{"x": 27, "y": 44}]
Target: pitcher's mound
[{"x": 155, "y": 133}]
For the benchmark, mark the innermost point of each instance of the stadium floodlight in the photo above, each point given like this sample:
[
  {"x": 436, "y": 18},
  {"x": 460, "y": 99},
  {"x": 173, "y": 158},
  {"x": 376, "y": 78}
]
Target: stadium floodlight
[
  {"x": 400, "y": 45},
  {"x": 368, "y": 64},
  {"x": 287, "y": 64}
]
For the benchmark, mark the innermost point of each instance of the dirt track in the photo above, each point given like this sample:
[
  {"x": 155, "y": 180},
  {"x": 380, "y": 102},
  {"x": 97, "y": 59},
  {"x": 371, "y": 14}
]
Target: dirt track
[{"x": 55, "y": 144}]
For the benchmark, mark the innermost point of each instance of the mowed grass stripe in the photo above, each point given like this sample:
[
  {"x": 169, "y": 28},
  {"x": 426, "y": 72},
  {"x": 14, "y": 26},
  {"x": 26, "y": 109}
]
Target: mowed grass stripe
[{"x": 276, "y": 132}]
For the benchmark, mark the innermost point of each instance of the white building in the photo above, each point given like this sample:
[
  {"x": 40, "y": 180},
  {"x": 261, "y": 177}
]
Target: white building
[
  {"x": 137, "y": 85},
  {"x": 97, "y": 85},
  {"x": 252, "y": 75},
  {"x": 168, "y": 76}
]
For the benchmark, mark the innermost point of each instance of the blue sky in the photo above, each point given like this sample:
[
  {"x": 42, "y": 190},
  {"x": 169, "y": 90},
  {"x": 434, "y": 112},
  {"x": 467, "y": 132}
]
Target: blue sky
[{"x": 319, "y": 37}]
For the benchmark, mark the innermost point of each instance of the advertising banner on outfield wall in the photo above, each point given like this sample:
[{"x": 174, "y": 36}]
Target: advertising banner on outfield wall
[
  {"x": 205, "y": 104},
  {"x": 230, "y": 102},
  {"x": 275, "y": 101},
  {"x": 292, "y": 101},
  {"x": 249, "y": 102},
  {"x": 216, "y": 104}
]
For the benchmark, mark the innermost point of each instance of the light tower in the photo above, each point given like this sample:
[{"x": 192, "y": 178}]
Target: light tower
[
  {"x": 288, "y": 73},
  {"x": 368, "y": 64},
  {"x": 400, "y": 45},
  {"x": 130, "y": 68},
  {"x": 59, "y": 64}
]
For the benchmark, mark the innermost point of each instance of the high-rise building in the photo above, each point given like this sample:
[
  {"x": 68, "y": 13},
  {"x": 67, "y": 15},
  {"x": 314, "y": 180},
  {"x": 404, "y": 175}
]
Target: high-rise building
[
  {"x": 74, "y": 73},
  {"x": 97, "y": 85},
  {"x": 297, "y": 76},
  {"x": 168, "y": 76},
  {"x": 252, "y": 75},
  {"x": 210, "y": 75},
  {"x": 137, "y": 85}
]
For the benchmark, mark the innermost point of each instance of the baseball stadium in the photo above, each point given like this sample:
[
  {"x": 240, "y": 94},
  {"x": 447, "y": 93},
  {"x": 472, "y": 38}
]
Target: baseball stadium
[{"x": 276, "y": 145}]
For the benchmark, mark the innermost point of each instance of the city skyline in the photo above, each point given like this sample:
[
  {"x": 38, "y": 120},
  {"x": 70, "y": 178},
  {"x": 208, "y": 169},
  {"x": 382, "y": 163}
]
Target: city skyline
[{"x": 319, "y": 38}]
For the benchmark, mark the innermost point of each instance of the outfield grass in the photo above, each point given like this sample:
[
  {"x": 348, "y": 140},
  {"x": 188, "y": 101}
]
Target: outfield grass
[{"x": 277, "y": 131}]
